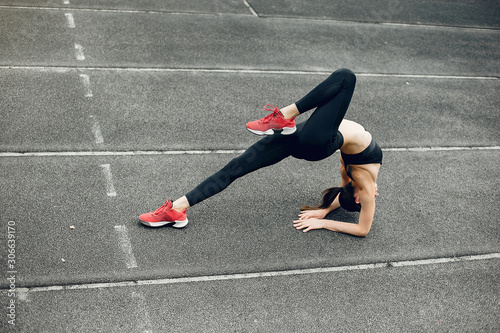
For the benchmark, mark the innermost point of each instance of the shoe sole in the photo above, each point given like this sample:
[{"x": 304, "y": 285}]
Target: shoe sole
[
  {"x": 285, "y": 131},
  {"x": 175, "y": 224}
]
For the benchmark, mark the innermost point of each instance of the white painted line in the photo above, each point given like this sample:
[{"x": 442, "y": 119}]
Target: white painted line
[
  {"x": 435, "y": 26},
  {"x": 427, "y": 149},
  {"x": 254, "y": 13},
  {"x": 195, "y": 279},
  {"x": 79, "y": 52},
  {"x": 125, "y": 244},
  {"x": 445, "y": 260},
  {"x": 262, "y": 274},
  {"x": 144, "y": 323},
  {"x": 96, "y": 130},
  {"x": 110, "y": 189},
  {"x": 122, "y": 11},
  {"x": 119, "y": 153},
  {"x": 86, "y": 83},
  {"x": 428, "y": 76},
  {"x": 71, "y": 20},
  {"x": 281, "y": 17},
  {"x": 22, "y": 294},
  {"x": 243, "y": 71},
  {"x": 208, "y": 151}
]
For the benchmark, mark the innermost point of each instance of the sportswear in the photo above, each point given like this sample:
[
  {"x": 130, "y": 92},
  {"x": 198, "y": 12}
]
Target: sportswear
[
  {"x": 273, "y": 121},
  {"x": 371, "y": 154},
  {"x": 165, "y": 215},
  {"x": 315, "y": 139}
]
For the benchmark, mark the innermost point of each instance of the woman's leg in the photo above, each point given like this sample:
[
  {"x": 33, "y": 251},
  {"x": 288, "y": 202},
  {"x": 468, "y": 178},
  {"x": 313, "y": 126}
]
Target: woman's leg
[
  {"x": 319, "y": 137},
  {"x": 263, "y": 153}
]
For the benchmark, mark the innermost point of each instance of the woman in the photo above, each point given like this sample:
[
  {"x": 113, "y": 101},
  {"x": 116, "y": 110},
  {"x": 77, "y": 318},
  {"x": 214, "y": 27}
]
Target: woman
[{"x": 315, "y": 139}]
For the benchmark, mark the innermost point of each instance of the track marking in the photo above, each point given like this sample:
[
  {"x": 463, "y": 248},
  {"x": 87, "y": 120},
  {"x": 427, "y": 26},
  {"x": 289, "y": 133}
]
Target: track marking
[
  {"x": 96, "y": 130},
  {"x": 118, "y": 11},
  {"x": 249, "y": 6},
  {"x": 444, "y": 260},
  {"x": 281, "y": 17},
  {"x": 427, "y": 149},
  {"x": 241, "y": 71},
  {"x": 70, "y": 19},
  {"x": 118, "y": 153},
  {"x": 110, "y": 189},
  {"x": 125, "y": 244},
  {"x": 79, "y": 52},
  {"x": 295, "y": 272},
  {"x": 427, "y": 76},
  {"x": 22, "y": 295},
  {"x": 86, "y": 83},
  {"x": 144, "y": 323},
  {"x": 208, "y": 151}
]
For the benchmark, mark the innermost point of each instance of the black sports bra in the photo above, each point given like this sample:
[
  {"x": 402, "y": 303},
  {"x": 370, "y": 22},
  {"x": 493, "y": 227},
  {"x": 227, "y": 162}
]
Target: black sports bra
[{"x": 372, "y": 154}]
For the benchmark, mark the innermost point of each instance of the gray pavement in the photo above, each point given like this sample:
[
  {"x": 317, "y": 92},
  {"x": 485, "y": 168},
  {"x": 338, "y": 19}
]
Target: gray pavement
[
  {"x": 130, "y": 106},
  {"x": 110, "y": 107},
  {"x": 430, "y": 299},
  {"x": 243, "y": 42}
]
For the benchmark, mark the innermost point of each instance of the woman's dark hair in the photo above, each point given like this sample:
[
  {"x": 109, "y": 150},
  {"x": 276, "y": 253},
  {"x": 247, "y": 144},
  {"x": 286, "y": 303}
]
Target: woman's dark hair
[{"x": 346, "y": 198}]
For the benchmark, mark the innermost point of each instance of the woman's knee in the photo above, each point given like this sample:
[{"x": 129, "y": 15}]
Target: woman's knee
[{"x": 348, "y": 76}]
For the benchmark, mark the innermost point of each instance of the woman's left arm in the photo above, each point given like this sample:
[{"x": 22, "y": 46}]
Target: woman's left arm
[
  {"x": 367, "y": 201},
  {"x": 354, "y": 229}
]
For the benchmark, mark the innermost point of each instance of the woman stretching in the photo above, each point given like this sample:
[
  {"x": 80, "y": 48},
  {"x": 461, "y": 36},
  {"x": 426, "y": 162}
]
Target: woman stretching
[{"x": 315, "y": 139}]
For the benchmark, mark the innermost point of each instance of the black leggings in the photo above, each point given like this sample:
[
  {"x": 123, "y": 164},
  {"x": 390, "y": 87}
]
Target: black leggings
[{"x": 315, "y": 139}]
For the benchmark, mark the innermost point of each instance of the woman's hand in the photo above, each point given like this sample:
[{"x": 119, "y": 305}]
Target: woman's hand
[
  {"x": 310, "y": 219},
  {"x": 315, "y": 213},
  {"x": 308, "y": 224}
]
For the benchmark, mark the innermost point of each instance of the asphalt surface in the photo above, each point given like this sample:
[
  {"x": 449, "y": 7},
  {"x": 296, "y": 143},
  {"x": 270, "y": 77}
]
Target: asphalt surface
[{"x": 110, "y": 107}]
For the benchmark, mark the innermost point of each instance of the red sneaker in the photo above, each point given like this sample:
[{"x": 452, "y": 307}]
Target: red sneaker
[
  {"x": 275, "y": 120},
  {"x": 165, "y": 215}
]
